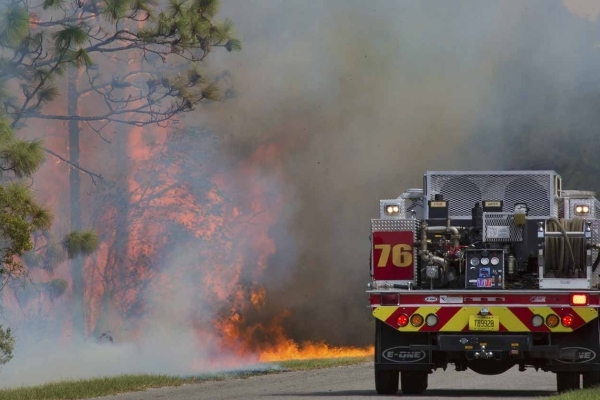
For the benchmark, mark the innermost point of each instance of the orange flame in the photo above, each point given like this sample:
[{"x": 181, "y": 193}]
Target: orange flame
[{"x": 229, "y": 221}]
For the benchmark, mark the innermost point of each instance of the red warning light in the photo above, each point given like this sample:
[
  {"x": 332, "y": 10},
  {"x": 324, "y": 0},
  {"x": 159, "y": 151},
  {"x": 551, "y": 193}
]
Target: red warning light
[
  {"x": 403, "y": 320},
  {"x": 567, "y": 320}
]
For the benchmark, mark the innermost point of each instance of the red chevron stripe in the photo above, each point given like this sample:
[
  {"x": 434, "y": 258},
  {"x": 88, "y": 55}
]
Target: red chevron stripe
[
  {"x": 444, "y": 315},
  {"x": 525, "y": 315}
]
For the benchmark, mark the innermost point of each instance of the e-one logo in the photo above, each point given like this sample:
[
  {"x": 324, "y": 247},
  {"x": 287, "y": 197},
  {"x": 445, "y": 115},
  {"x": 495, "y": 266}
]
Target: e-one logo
[
  {"x": 583, "y": 355},
  {"x": 403, "y": 355}
]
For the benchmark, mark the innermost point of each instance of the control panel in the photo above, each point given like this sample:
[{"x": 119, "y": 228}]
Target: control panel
[{"x": 484, "y": 269}]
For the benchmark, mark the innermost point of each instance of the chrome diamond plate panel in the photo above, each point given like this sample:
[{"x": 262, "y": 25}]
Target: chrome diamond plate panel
[
  {"x": 463, "y": 189},
  {"x": 501, "y": 227},
  {"x": 391, "y": 225}
]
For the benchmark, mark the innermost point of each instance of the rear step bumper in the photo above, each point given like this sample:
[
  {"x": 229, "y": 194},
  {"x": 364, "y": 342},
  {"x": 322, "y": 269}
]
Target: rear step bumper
[{"x": 497, "y": 346}]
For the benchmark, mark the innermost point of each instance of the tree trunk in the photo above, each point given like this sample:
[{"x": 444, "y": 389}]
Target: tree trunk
[
  {"x": 77, "y": 264},
  {"x": 116, "y": 271}
]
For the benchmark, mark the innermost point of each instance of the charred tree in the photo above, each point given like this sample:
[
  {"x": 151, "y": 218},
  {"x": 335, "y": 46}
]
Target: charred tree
[{"x": 75, "y": 201}]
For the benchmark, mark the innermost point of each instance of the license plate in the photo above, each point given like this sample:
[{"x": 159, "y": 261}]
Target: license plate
[{"x": 484, "y": 323}]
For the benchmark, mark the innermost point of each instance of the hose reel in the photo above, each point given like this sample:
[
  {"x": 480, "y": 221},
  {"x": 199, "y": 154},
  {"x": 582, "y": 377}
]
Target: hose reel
[{"x": 565, "y": 256}]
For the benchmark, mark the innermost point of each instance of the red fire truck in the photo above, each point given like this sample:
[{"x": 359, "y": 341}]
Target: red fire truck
[{"x": 486, "y": 271}]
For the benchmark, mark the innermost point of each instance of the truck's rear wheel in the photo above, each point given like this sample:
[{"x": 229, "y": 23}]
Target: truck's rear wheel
[
  {"x": 413, "y": 382},
  {"x": 566, "y": 381},
  {"x": 386, "y": 382},
  {"x": 591, "y": 379}
]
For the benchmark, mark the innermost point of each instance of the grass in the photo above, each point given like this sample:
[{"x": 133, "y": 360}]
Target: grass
[
  {"x": 585, "y": 394},
  {"x": 106, "y": 386}
]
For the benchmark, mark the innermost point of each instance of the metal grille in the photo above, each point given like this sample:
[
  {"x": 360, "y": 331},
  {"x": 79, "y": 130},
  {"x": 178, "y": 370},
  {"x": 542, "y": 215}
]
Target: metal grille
[
  {"x": 559, "y": 208},
  {"x": 415, "y": 208},
  {"x": 464, "y": 189},
  {"x": 500, "y": 227}
]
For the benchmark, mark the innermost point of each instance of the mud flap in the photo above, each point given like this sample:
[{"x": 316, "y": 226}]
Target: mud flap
[
  {"x": 579, "y": 350},
  {"x": 392, "y": 350}
]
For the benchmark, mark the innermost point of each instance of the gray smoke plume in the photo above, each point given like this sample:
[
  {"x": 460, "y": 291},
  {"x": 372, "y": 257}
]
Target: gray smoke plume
[
  {"x": 369, "y": 95},
  {"x": 361, "y": 98}
]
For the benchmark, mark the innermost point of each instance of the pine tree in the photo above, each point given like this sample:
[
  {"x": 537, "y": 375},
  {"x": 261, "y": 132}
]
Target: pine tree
[
  {"x": 23, "y": 222},
  {"x": 163, "y": 45}
]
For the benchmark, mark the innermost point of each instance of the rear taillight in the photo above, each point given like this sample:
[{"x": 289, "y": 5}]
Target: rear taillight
[
  {"x": 579, "y": 299},
  {"x": 537, "y": 320},
  {"x": 431, "y": 319},
  {"x": 567, "y": 320},
  {"x": 392, "y": 299},
  {"x": 552, "y": 321},
  {"x": 416, "y": 320},
  {"x": 403, "y": 320}
]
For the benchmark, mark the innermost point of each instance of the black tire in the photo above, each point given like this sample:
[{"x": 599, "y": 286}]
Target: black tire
[
  {"x": 386, "y": 382},
  {"x": 591, "y": 379},
  {"x": 413, "y": 382},
  {"x": 566, "y": 381}
]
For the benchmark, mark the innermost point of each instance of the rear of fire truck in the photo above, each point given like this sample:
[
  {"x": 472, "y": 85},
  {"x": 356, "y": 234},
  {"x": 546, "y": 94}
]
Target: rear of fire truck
[{"x": 487, "y": 271}]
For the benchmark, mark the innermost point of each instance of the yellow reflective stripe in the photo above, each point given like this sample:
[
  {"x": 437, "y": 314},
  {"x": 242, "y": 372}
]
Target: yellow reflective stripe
[
  {"x": 509, "y": 320},
  {"x": 586, "y": 313},
  {"x": 423, "y": 312},
  {"x": 460, "y": 319},
  {"x": 384, "y": 312}
]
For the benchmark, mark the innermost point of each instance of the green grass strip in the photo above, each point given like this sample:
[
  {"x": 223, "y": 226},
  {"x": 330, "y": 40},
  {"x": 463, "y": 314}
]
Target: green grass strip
[
  {"x": 107, "y": 386},
  {"x": 585, "y": 394}
]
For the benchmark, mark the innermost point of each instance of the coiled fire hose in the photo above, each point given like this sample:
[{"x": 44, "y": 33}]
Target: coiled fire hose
[{"x": 565, "y": 255}]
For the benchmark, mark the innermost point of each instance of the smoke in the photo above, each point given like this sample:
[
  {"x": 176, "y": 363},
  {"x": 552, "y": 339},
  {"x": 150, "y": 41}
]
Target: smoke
[
  {"x": 170, "y": 343},
  {"x": 358, "y": 99},
  {"x": 368, "y": 96}
]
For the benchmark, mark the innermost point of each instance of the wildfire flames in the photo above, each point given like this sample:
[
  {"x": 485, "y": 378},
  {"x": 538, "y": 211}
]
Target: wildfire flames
[
  {"x": 201, "y": 235},
  {"x": 187, "y": 235}
]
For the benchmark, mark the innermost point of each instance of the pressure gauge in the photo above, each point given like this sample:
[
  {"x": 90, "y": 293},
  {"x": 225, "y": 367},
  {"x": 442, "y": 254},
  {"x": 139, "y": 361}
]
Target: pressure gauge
[
  {"x": 495, "y": 261},
  {"x": 485, "y": 261},
  {"x": 474, "y": 261}
]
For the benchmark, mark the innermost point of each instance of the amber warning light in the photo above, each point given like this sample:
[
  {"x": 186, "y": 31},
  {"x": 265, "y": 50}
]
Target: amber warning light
[{"x": 579, "y": 299}]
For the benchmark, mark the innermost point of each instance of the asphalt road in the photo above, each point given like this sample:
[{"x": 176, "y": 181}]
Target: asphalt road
[{"x": 356, "y": 382}]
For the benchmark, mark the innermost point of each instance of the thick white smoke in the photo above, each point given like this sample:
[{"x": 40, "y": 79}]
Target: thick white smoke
[
  {"x": 363, "y": 97},
  {"x": 170, "y": 344}
]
